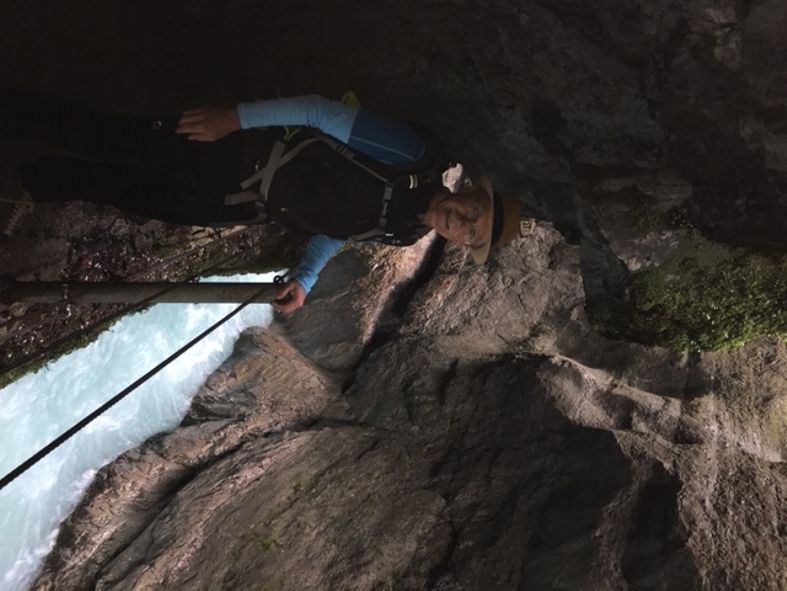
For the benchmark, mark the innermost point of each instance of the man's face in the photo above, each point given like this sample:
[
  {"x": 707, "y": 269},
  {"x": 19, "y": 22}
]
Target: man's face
[{"x": 462, "y": 218}]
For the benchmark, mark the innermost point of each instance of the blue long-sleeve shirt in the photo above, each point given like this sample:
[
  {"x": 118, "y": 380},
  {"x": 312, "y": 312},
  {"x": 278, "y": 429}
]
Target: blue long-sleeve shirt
[{"x": 386, "y": 140}]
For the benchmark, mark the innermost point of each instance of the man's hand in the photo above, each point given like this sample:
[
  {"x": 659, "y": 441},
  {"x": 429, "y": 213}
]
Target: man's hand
[
  {"x": 208, "y": 125},
  {"x": 290, "y": 297}
]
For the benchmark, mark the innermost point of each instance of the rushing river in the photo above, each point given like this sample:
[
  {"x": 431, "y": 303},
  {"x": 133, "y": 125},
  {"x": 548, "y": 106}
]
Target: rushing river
[{"x": 39, "y": 407}]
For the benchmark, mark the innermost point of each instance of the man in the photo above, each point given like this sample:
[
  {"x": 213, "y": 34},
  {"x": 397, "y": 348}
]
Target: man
[{"x": 224, "y": 166}]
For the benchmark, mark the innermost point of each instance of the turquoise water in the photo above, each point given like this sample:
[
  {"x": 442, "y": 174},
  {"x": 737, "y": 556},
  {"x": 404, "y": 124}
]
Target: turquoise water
[{"x": 39, "y": 407}]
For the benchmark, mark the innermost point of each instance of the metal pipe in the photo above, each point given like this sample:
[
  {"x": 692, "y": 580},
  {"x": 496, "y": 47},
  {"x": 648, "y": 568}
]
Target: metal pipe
[{"x": 54, "y": 292}]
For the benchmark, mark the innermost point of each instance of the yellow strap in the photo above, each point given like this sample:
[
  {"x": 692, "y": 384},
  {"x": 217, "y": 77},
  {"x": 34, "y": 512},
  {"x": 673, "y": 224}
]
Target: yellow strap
[{"x": 350, "y": 99}]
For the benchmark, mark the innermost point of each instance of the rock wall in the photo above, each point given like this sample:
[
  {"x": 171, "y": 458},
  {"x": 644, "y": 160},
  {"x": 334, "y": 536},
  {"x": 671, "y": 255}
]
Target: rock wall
[{"x": 486, "y": 438}]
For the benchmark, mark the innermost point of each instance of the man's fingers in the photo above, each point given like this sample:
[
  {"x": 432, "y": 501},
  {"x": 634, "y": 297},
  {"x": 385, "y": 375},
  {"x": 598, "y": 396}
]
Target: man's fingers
[
  {"x": 289, "y": 306},
  {"x": 191, "y": 119},
  {"x": 199, "y": 136},
  {"x": 190, "y": 127},
  {"x": 193, "y": 114},
  {"x": 284, "y": 291},
  {"x": 289, "y": 298},
  {"x": 206, "y": 125},
  {"x": 285, "y": 305},
  {"x": 284, "y": 308},
  {"x": 200, "y": 133},
  {"x": 283, "y": 301}
]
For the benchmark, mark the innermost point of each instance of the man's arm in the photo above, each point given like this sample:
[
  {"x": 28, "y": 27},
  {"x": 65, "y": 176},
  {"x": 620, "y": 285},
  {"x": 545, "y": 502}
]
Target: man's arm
[
  {"x": 331, "y": 117},
  {"x": 210, "y": 124},
  {"x": 386, "y": 140},
  {"x": 318, "y": 252}
]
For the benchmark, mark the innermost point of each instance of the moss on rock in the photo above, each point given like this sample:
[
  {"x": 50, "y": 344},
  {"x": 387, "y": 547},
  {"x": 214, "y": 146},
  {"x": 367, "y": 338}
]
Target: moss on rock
[{"x": 710, "y": 298}]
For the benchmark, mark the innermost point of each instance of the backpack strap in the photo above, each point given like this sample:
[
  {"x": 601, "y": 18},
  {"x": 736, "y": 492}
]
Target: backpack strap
[
  {"x": 381, "y": 223},
  {"x": 264, "y": 176},
  {"x": 242, "y": 197},
  {"x": 347, "y": 152}
]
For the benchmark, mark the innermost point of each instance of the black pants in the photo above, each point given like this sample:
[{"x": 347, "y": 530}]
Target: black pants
[{"x": 136, "y": 163}]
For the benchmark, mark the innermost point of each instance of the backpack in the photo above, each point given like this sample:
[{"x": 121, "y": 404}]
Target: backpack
[{"x": 409, "y": 176}]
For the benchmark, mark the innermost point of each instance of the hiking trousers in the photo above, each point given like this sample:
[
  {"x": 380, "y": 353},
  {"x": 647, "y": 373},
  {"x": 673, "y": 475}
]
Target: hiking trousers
[{"x": 133, "y": 162}]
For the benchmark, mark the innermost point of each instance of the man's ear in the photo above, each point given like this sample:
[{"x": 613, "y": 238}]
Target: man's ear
[{"x": 454, "y": 177}]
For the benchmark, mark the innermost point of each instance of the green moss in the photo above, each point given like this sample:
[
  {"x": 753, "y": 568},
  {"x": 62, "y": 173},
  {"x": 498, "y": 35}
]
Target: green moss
[{"x": 709, "y": 299}]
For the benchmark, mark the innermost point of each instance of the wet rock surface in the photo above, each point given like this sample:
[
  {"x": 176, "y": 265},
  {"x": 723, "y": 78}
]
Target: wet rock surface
[{"x": 427, "y": 424}]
